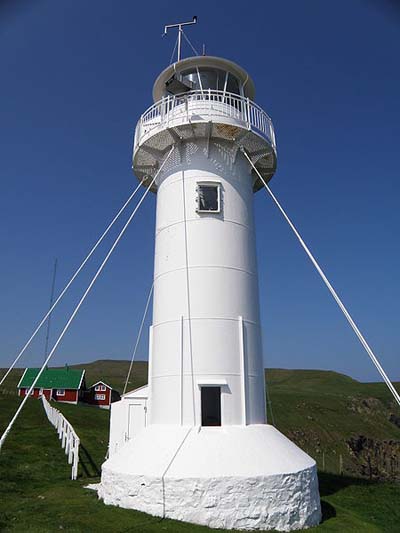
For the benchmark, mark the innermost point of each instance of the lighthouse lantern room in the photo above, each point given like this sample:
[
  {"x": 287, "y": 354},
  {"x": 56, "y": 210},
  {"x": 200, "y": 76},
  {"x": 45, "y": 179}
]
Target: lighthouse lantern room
[{"x": 195, "y": 444}]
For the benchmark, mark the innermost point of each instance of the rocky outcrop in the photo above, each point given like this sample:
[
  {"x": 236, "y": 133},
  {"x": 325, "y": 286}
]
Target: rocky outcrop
[
  {"x": 394, "y": 419},
  {"x": 365, "y": 405},
  {"x": 376, "y": 459}
]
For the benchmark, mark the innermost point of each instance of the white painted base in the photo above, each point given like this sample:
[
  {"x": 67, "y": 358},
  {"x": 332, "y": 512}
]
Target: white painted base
[{"x": 234, "y": 477}]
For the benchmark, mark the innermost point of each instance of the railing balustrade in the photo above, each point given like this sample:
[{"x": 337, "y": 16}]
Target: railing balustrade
[
  {"x": 205, "y": 104},
  {"x": 66, "y": 433}
]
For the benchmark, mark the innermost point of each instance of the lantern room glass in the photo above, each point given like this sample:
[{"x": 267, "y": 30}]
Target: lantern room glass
[{"x": 204, "y": 78}]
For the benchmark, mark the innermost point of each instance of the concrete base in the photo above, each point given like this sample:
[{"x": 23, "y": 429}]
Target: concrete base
[{"x": 232, "y": 477}]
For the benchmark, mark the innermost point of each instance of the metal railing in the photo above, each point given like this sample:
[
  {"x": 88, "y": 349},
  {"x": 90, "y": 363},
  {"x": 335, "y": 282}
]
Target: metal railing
[
  {"x": 66, "y": 433},
  {"x": 202, "y": 106}
]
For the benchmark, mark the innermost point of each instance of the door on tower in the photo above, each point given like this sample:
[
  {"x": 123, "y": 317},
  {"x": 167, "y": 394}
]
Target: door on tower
[
  {"x": 136, "y": 418},
  {"x": 210, "y": 406}
]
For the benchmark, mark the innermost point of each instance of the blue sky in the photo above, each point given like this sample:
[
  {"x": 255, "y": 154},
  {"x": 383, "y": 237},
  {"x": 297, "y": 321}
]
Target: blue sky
[{"x": 75, "y": 78}]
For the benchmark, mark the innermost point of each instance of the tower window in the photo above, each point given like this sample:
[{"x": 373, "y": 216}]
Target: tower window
[
  {"x": 210, "y": 406},
  {"x": 208, "y": 198}
]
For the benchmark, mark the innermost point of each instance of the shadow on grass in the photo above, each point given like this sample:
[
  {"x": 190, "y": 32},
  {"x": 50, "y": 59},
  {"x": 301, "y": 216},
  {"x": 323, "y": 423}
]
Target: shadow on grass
[
  {"x": 328, "y": 511},
  {"x": 85, "y": 460},
  {"x": 331, "y": 483},
  {"x": 141, "y": 526}
]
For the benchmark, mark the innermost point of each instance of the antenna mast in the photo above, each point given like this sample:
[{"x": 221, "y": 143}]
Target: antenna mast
[
  {"x": 51, "y": 305},
  {"x": 180, "y": 31}
]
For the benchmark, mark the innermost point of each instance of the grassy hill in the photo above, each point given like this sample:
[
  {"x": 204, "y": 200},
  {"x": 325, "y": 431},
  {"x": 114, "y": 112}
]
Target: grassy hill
[
  {"x": 322, "y": 411},
  {"x": 332, "y": 416},
  {"x": 346, "y": 426}
]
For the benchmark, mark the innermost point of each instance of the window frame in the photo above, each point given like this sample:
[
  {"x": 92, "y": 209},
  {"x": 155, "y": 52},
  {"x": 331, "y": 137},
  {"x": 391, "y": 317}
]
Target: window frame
[
  {"x": 60, "y": 392},
  {"x": 218, "y": 186},
  {"x": 100, "y": 388},
  {"x": 99, "y": 397}
]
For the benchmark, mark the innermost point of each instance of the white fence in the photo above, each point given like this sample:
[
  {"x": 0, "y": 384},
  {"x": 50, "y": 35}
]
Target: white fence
[{"x": 66, "y": 433}]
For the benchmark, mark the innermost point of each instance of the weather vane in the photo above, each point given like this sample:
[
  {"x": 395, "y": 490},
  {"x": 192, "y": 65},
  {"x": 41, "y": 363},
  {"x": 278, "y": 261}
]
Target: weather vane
[{"x": 179, "y": 25}]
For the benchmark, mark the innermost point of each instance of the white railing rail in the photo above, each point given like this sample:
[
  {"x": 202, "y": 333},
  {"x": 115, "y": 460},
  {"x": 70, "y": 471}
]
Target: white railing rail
[
  {"x": 66, "y": 433},
  {"x": 207, "y": 104}
]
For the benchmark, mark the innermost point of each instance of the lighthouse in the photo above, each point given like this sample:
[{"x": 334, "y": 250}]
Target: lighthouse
[{"x": 195, "y": 444}]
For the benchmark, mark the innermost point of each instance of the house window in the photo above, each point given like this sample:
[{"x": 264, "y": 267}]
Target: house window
[
  {"x": 210, "y": 406},
  {"x": 100, "y": 388},
  {"x": 208, "y": 198},
  {"x": 99, "y": 396},
  {"x": 33, "y": 392},
  {"x": 60, "y": 392}
]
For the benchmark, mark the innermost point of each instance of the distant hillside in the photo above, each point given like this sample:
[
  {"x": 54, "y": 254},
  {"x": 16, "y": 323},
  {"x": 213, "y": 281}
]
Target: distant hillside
[
  {"x": 342, "y": 423},
  {"x": 112, "y": 371},
  {"x": 115, "y": 372},
  {"x": 331, "y": 415}
]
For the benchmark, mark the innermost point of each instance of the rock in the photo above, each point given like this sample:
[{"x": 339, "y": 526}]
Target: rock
[{"x": 377, "y": 459}]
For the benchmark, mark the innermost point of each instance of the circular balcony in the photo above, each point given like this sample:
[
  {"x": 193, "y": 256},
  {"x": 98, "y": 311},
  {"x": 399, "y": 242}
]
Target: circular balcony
[{"x": 206, "y": 114}]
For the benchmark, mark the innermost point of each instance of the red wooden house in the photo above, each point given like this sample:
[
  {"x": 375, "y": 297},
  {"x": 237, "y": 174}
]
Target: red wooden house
[
  {"x": 60, "y": 384},
  {"x": 101, "y": 395}
]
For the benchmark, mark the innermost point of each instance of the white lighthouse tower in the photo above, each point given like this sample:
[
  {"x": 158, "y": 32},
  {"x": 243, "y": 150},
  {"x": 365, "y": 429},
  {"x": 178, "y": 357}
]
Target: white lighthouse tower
[{"x": 195, "y": 444}]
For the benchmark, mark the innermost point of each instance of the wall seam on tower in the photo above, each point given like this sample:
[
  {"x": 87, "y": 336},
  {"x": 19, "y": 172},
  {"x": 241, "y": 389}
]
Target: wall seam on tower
[
  {"x": 195, "y": 267},
  {"x": 199, "y": 219},
  {"x": 188, "y": 293},
  {"x": 256, "y": 324}
]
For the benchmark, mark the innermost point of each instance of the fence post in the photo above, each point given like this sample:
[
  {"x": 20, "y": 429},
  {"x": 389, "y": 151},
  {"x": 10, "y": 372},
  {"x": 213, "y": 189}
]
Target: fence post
[
  {"x": 76, "y": 459},
  {"x": 69, "y": 439},
  {"x": 71, "y": 445},
  {"x": 64, "y": 436}
]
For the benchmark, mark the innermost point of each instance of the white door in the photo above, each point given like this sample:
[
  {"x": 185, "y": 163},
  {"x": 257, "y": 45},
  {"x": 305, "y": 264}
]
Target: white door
[{"x": 137, "y": 418}]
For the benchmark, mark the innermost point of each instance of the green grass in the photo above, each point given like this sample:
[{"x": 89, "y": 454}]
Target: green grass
[
  {"x": 320, "y": 409},
  {"x": 35, "y": 491},
  {"x": 36, "y": 494}
]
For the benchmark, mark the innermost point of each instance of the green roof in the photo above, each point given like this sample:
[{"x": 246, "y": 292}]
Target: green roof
[{"x": 53, "y": 378}]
